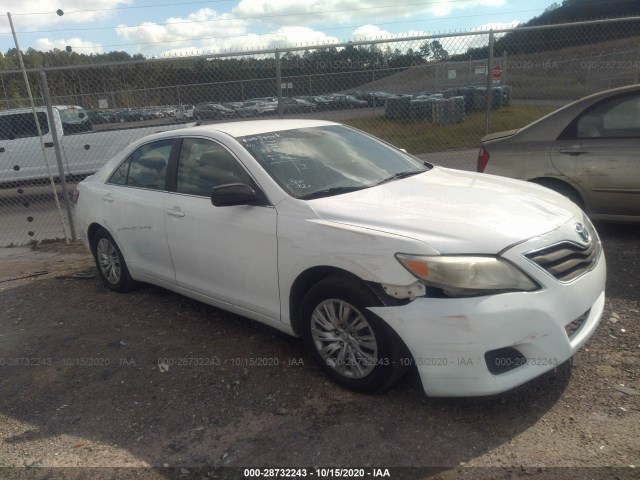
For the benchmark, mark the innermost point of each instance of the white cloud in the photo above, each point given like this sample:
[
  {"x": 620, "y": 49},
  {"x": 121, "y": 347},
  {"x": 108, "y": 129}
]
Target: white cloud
[
  {"x": 481, "y": 40},
  {"x": 204, "y": 24},
  {"x": 286, "y": 12},
  {"x": 282, "y": 37},
  {"x": 207, "y": 31},
  {"x": 373, "y": 32},
  {"x": 78, "y": 45},
  {"x": 28, "y": 15}
]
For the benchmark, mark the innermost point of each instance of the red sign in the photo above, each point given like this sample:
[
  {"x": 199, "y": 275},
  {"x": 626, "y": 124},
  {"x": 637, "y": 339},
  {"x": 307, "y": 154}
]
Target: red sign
[{"x": 496, "y": 72}]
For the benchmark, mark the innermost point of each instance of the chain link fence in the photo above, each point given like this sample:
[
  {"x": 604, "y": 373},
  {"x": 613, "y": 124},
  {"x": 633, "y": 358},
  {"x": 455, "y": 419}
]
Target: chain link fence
[{"x": 435, "y": 96}]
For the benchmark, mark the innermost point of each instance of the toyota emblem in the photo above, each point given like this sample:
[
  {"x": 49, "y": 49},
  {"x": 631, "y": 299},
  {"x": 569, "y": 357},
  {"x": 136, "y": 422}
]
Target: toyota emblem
[{"x": 582, "y": 232}]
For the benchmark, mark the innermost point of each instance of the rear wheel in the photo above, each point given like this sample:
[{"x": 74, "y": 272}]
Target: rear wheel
[
  {"x": 351, "y": 345},
  {"x": 110, "y": 263}
]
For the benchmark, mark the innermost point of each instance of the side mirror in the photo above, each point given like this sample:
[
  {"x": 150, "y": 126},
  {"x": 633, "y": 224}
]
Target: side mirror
[{"x": 233, "y": 194}]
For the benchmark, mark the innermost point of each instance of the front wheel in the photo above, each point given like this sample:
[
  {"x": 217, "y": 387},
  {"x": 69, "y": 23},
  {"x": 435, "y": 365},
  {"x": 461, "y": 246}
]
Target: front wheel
[
  {"x": 110, "y": 263},
  {"x": 350, "y": 344}
]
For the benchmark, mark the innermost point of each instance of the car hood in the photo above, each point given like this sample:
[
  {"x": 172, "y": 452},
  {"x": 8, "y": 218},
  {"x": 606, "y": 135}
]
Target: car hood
[{"x": 452, "y": 211}]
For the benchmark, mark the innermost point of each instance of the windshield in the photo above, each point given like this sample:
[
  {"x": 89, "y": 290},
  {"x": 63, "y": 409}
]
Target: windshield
[
  {"x": 321, "y": 161},
  {"x": 74, "y": 120}
]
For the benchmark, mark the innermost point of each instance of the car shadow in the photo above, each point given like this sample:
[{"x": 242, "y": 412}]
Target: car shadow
[{"x": 154, "y": 379}]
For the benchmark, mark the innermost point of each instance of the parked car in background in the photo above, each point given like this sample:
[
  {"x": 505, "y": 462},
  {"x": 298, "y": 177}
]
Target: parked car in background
[
  {"x": 188, "y": 111},
  {"x": 135, "y": 115},
  {"x": 232, "y": 105},
  {"x": 322, "y": 102},
  {"x": 297, "y": 105},
  {"x": 379, "y": 261},
  {"x": 83, "y": 150},
  {"x": 254, "y": 108},
  {"x": 212, "y": 111},
  {"x": 587, "y": 151},
  {"x": 97, "y": 117},
  {"x": 339, "y": 101}
]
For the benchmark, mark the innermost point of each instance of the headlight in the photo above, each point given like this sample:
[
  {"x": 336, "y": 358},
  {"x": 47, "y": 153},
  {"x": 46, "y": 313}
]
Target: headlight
[{"x": 467, "y": 275}]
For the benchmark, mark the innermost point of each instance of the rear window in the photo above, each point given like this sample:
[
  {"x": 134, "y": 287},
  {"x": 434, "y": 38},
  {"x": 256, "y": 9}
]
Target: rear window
[
  {"x": 74, "y": 120},
  {"x": 22, "y": 125}
]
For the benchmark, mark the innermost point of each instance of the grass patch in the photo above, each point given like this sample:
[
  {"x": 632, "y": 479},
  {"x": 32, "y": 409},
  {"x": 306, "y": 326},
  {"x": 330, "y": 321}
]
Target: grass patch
[{"x": 420, "y": 136}]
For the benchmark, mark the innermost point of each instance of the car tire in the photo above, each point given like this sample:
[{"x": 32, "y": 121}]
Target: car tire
[
  {"x": 110, "y": 263},
  {"x": 351, "y": 345}
]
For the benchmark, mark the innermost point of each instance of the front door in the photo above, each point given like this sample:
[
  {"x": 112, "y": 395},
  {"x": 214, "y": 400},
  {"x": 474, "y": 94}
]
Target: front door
[{"x": 225, "y": 253}]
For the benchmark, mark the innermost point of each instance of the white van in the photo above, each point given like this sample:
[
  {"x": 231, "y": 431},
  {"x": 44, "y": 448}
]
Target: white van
[{"x": 83, "y": 150}]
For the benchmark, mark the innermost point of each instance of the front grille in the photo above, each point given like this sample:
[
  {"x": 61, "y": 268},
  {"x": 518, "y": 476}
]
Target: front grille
[
  {"x": 574, "y": 327},
  {"x": 566, "y": 261}
]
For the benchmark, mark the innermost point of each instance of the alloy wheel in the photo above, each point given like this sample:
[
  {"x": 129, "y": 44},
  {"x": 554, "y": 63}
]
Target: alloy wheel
[
  {"x": 344, "y": 338},
  {"x": 109, "y": 261}
]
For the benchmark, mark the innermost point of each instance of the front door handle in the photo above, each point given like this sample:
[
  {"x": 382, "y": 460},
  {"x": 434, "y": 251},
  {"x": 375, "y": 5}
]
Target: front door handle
[
  {"x": 48, "y": 144},
  {"x": 175, "y": 213},
  {"x": 568, "y": 151},
  {"x": 107, "y": 197}
]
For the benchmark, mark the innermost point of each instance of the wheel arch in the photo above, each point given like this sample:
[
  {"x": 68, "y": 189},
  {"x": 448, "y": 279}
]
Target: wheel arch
[
  {"x": 91, "y": 232},
  {"x": 564, "y": 188},
  {"x": 308, "y": 278}
]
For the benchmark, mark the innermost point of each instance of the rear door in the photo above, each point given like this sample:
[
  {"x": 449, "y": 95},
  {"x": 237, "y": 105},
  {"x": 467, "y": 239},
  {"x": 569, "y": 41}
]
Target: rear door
[
  {"x": 600, "y": 153},
  {"x": 133, "y": 203}
]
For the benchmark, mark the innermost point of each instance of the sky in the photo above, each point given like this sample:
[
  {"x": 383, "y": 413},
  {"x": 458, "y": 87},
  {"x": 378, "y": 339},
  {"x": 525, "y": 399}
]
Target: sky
[{"x": 173, "y": 27}]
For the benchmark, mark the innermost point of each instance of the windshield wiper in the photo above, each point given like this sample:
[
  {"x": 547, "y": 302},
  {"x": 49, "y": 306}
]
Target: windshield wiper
[
  {"x": 332, "y": 191},
  {"x": 399, "y": 175}
]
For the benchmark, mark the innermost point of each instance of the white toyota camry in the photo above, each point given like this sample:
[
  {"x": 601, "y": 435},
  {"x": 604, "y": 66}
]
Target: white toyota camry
[{"x": 379, "y": 261}]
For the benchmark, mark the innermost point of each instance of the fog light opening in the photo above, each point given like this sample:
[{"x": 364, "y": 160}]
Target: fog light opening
[{"x": 504, "y": 360}]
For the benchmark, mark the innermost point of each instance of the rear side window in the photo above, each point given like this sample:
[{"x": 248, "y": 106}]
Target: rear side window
[
  {"x": 22, "y": 125},
  {"x": 146, "y": 167},
  {"x": 617, "y": 117}
]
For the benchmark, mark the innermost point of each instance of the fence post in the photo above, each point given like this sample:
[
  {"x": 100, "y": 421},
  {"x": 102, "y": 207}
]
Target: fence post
[
  {"x": 487, "y": 119},
  {"x": 36, "y": 120},
  {"x": 4, "y": 91},
  {"x": 56, "y": 147},
  {"x": 504, "y": 67},
  {"x": 279, "y": 82}
]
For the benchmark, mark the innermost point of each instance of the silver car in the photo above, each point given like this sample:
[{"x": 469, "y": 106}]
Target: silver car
[{"x": 588, "y": 151}]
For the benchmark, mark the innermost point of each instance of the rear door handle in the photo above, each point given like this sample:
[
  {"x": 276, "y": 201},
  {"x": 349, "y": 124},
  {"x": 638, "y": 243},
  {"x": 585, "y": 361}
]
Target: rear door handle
[
  {"x": 175, "y": 213},
  {"x": 571, "y": 152},
  {"x": 107, "y": 197},
  {"x": 48, "y": 144}
]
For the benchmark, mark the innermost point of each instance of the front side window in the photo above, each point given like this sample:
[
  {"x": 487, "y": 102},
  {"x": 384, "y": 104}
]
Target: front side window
[
  {"x": 615, "y": 118},
  {"x": 204, "y": 164},
  {"x": 22, "y": 125},
  {"x": 313, "y": 162},
  {"x": 146, "y": 167}
]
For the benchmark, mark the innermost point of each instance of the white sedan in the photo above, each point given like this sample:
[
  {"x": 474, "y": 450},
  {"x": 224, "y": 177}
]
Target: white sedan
[{"x": 379, "y": 261}]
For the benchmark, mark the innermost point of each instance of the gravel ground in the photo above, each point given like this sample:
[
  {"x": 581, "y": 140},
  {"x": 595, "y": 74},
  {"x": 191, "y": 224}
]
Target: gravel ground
[{"x": 81, "y": 385}]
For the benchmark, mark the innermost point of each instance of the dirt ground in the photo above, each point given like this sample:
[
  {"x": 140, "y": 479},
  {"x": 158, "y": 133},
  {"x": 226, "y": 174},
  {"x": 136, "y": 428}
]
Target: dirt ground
[{"x": 166, "y": 387}]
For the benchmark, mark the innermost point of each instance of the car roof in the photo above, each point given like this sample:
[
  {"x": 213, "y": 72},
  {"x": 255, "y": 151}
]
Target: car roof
[{"x": 252, "y": 127}]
